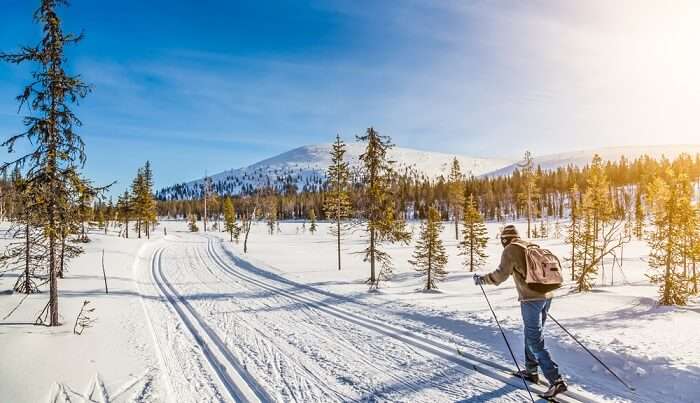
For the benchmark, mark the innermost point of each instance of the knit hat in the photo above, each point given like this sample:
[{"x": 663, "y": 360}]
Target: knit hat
[{"x": 509, "y": 231}]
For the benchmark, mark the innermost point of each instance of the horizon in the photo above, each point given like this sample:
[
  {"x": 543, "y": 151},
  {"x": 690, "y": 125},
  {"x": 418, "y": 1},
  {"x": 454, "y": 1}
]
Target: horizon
[{"x": 225, "y": 85}]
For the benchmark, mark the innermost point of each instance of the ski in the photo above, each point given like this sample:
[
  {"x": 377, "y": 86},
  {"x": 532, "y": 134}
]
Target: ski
[
  {"x": 541, "y": 383},
  {"x": 549, "y": 399}
]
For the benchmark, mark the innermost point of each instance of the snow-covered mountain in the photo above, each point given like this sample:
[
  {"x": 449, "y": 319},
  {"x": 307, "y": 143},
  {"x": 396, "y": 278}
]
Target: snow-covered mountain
[
  {"x": 584, "y": 157},
  {"x": 305, "y": 167}
]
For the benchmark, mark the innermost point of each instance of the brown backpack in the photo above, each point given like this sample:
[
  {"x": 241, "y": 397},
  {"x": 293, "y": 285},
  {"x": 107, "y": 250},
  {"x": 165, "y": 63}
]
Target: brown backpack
[{"x": 543, "y": 268}]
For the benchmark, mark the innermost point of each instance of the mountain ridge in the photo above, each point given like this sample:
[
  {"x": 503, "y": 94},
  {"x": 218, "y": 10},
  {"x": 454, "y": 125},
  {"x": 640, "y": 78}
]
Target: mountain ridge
[{"x": 303, "y": 168}]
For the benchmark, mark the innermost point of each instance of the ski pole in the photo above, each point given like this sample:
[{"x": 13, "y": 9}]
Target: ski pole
[
  {"x": 630, "y": 387},
  {"x": 507, "y": 343}
]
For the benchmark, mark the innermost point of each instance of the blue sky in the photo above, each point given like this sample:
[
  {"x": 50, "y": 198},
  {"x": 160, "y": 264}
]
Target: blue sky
[{"x": 218, "y": 84}]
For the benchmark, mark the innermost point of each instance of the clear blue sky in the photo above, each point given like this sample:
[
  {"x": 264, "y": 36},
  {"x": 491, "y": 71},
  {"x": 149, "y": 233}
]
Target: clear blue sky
[{"x": 218, "y": 84}]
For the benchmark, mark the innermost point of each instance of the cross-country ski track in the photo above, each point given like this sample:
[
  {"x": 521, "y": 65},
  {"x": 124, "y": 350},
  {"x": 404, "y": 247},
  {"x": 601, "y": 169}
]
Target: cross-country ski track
[{"x": 228, "y": 330}]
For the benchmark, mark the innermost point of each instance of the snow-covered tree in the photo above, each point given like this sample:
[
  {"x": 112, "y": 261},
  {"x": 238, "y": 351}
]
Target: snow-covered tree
[
  {"x": 429, "y": 257},
  {"x": 337, "y": 204},
  {"x": 474, "y": 236}
]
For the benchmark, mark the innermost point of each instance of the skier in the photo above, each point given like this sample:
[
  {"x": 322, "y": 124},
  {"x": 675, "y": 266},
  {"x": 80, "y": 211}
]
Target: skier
[{"x": 534, "y": 306}]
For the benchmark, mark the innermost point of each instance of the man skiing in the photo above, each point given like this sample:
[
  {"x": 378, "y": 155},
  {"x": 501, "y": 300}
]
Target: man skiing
[{"x": 534, "y": 306}]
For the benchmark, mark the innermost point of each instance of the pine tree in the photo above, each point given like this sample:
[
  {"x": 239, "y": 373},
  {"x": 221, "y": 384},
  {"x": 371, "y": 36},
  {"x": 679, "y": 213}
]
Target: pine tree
[
  {"x": 230, "y": 219},
  {"x": 337, "y": 206},
  {"x": 125, "y": 211},
  {"x": 597, "y": 212},
  {"x": 382, "y": 222},
  {"x": 429, "y": 257},
  {"x": 58, "y": 148},
  {"x": 144, "y": 207},
  {"x": 312, "y": 221},
  {"x": 271, "y": 212},
  {"x": 100, "y": 218},
  {"x": 27, "y": 253},
  {"x": 638, "y": 213},
  {"x": 149, "y": 208},
  {"x": 474, "y": 236},
  {"x": 83, "y": 212},
  {"x": 544, "y": 229},
  {"x": 671, "y": 207},
  {"x": 456, "y": 193},
  {"x": 530, "y": 187},
  {"x": 573, "y": 236}
]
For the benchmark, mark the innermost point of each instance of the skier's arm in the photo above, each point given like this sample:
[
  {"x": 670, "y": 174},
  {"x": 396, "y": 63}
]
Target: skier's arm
[{"x": 505, "y": 269}]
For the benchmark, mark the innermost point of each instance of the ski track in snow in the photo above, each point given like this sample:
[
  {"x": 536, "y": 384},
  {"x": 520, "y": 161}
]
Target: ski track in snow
[{"x": 237, "y": 330}]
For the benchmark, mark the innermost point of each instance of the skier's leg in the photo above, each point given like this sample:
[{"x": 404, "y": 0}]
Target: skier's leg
[
  {"x": 535, "y": 339},
  {"x": 530, "y": 314}
]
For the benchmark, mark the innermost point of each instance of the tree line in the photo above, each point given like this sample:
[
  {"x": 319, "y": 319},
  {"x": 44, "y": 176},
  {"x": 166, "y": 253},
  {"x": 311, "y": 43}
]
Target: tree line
[{"x": 597, "y": 209}]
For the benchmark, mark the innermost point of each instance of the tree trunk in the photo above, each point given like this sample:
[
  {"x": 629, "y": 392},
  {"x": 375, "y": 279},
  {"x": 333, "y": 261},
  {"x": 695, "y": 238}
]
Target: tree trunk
[
  {"x": 63, "y": 251},
  {"x": 27, "y": 256},
  {"x": 245, "y": 240},
  {"x": 338, "y": 228},
  {"x": 372, "y": 277},
  {"x": 430, "y": 268},
  {"x": 456, "y": 226}
]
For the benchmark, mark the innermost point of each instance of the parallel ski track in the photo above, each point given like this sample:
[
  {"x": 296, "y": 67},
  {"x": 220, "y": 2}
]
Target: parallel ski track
[
  {"x": 265, "y": 336},
  {"x": 239, "y": 385},
  {"x": 439, "y": 349}
]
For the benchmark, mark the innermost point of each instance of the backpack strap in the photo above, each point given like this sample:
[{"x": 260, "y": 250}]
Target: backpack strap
[{"x": 524, "y": 244}]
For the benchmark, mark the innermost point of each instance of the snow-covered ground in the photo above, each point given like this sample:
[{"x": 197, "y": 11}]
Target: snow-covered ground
[{"x": 189, "y": 317}]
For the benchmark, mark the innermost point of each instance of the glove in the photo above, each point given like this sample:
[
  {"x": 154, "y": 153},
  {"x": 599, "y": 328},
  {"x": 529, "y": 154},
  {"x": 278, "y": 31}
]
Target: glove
[{"x": 478, "y": 280}]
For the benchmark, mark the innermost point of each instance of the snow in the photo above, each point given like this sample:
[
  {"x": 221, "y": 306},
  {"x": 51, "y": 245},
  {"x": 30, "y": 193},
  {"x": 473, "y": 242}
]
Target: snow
[
  {"x": 191, "y": 318},
  {"x": 115, "y": 354}
]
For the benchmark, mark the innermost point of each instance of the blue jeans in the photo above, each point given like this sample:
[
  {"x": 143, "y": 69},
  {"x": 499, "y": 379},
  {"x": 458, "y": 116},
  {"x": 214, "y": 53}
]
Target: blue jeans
[{"x": 536, "y": 354}]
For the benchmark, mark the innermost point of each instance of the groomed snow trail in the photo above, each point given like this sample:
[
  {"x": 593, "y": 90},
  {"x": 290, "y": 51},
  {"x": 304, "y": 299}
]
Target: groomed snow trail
[{"x": 242, "y": 335}]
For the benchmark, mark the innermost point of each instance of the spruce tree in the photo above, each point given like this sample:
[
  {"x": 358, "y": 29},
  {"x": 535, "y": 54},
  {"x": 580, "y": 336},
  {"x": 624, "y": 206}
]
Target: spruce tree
[
  {"x": 230, "y": 219},
  {"x": 125, "y": 211},
  {"x": 149, "y": 209},
  {"x": 312, "y": 221},
  {"x": 639, "y": 215},
  {"x": 27, "y": 253},
  {"x": 474, "y": 236},
  {"x": 429, "y": 257},
  {"x": 597, "y": 212},
  {"x": 57, "y": 148},
  {"x": 271, "y": 213},
  {"x": 573, "y": 232},
  {"x": 671, "y": 206},
  {"x": 456, "y": 193},
  {"x": 382, "y": 222},
  {"x": 337, "y": 206},
  {"x": 83, "y": 212},
  {"x": 529, "y": 187}
]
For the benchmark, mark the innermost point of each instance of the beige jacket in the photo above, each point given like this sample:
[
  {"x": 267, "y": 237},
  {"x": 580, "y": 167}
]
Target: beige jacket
[{"x": 513, "y": 262}]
